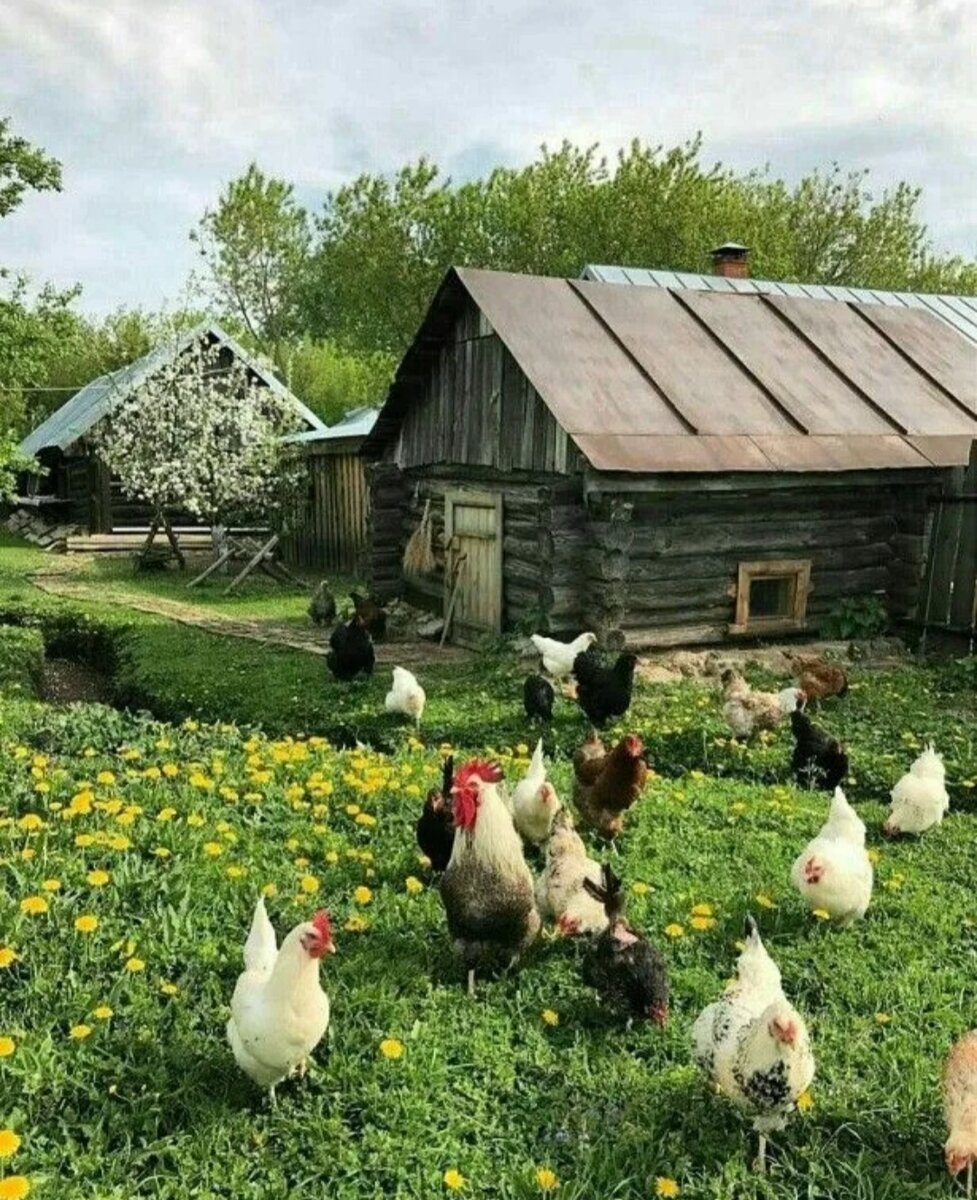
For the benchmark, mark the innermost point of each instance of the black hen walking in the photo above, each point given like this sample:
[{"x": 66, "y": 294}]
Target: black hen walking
[
  {"x": 627, "y": 971},
  {"x": 819, "y": 761},
  {"x": 537, "y": 698},
  {"x": 604, "y": 692},
  {"x": 351, "y": 651}
]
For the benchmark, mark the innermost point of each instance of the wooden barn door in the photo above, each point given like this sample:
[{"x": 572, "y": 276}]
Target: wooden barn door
[{"x": 473, "y": 535}]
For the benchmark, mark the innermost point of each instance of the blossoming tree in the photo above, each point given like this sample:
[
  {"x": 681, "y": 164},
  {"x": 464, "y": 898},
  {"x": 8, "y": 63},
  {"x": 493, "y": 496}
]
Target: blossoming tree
[{"x": 200, "y": 436}]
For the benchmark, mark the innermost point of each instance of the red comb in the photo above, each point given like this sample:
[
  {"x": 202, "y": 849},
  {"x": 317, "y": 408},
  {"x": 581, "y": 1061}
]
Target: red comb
[
  {"x": 322, "y": 925},
  {"x": 478, "y": 768}
]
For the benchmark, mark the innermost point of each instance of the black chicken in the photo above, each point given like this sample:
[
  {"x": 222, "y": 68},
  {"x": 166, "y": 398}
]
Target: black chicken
[
  {"x": 627, "y": 971},
  {"x": 436, "y": 825},
  {"x": 819, "y": 761},
  {"x": 351, "y": 651},
  {"x": 604, "y": 692},
  {"x": 371, "y": 614},
  {"x": 322, "y": 607},
  {"x": 537, "y": 698}
]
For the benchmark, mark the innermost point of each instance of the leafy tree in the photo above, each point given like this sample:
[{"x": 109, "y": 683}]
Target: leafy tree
[
  {"x": 12, "y": 462},
  {"x": 331, "y": 380},
  {"x": 199, "y": 436},
  {"x": 254, "y": 245},
  {"x": 23, "y": 167},
  {"x": 33, "y": 330}
]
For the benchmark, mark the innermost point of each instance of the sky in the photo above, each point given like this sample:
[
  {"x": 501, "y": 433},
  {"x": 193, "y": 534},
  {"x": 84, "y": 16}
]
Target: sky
[{"x": 153, "y": 105}]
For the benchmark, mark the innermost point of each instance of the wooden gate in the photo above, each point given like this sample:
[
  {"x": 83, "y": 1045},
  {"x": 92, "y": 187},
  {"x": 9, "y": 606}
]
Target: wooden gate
[
  {"x": 473, "y": 534},
  {"x": 949, "y": 599}
]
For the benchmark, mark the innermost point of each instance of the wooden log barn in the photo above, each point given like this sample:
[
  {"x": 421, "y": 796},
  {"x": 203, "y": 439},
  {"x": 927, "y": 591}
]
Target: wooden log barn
[
  {"x": 78, "y": 490},
  {"x": 679, "y": 464}
]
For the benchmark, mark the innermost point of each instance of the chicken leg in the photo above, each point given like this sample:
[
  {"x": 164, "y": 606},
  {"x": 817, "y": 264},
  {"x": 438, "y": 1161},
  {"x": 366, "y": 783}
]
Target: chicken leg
[
  {"x": 760, "y": 1165},
  {"x": 471, "y": 981}
]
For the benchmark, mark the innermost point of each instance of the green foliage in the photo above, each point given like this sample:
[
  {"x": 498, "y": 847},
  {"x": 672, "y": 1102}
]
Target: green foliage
[
  {"x": 864, "y": 617},
  {"x": 12, "y": 462},
  {"x": 23, "y": 168},
  {"x": 254, "y": 245},
  {"x": 332, "y": 381},
  {"x": 21, "y": 658}
]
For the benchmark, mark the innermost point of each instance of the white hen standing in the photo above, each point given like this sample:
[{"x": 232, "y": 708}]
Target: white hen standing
[
  {"x": 534, "y": 801},
  {"x": 560, "y": 891},
  {"x": 279, "y": 1013},
  {"x": 919, "y": 799},
  {"x": 406, "y": 695},
  {"x": 754, "y": 1045},
  {"x": 558, "y": 657},
  {"x": 834, "y": 872}
]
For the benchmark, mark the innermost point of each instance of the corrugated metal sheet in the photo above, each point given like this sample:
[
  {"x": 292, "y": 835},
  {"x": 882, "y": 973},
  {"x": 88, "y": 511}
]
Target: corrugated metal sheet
[
  {"x": 959, "y": 312},
  {"x": 88, "y": 406},
  {"x": 681, "y": 380},
  {"x": 356, "y": 424}
]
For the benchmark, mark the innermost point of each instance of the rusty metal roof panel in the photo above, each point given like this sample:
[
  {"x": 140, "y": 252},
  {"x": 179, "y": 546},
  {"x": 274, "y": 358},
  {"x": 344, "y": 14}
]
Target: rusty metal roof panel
[
  {"x": 848, "y": 453},
  {"x": 852, "y": 346},
  {"x": 686, "y": 454},
  {"x": 819, "y": 399},
  {"x": 944, "y": 451},
  {"x": 687, "y": 364},
  {"x": 586, "y": 378}
]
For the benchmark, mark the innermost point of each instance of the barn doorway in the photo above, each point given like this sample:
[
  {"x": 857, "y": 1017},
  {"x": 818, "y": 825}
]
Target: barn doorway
[{"x": 473, "y": 567}]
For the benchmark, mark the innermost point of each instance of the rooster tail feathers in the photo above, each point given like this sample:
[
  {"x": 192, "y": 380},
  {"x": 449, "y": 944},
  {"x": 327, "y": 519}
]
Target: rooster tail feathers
[
  {"x": 447, "y": 776},
  {"x": 536, "y": 763},
  {"x": 751, "y": 931},
  {"x": 610, "y": 894}
]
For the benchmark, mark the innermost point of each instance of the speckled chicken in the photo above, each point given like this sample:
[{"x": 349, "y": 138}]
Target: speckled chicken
[
  {"x": 322, "y": 606},
  {"x": 747, "y": 711},
  {"x": 753, "y": 1044},
  {"x": 834, "y": 872},
  {"x": 560, "y": 892},
  {"x": 621, "y": 964},
  {"x": 960, "y": 1107},
  {"x": 487, "y": 889},
  {"x": 607, "y": 784}
]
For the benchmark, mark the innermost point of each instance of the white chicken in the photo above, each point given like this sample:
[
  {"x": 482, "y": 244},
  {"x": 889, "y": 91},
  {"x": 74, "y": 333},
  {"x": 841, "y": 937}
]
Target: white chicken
[
  {"x": 279, "y": 1012},
  {"x": 560, "y": 891},
  {"x": 754, "y": 1045},
  {"x": 746, "y": 710},
  {"x": 960, "y": 1107},
  {"x": 558, "y": 657},
  {"x": 534, "y": 802},
  {"x": 834, "y": 872},
  {"x": 919, "y": 799},
  {"x": 406, "y": 695}
]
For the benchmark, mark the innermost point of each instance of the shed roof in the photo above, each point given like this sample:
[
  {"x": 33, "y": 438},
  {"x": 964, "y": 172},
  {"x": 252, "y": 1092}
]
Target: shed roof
[
  {"x": 357, "y": 423},
  {"x": 96, "y": 399},
  {"x": 960, "y": 312},
  {"x": 651, "y": 379}
]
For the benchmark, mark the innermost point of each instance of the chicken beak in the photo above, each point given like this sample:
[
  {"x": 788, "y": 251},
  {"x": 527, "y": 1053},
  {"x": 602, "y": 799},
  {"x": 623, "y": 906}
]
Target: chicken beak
[{"x": 659, "y": 1015}]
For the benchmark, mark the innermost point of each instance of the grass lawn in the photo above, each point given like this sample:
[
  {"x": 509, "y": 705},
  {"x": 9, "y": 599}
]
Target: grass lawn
[{"x": 190, "y": 821}]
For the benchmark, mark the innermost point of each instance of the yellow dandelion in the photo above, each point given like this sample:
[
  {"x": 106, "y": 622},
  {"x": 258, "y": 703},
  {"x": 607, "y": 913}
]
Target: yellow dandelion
[
  {"x": 8, "y": 956},
  {"x": 33, "y": 906},
  {"x": 821, "y": 914},
  {"x": 413, "y": 885},
  {"x": 106, "y": 778},
  {"x": 702, "y": 910},
  {"x": 9, "y": 1143},
  {"x": 703, "y": 923},
  {"x": 362, "y": 895},
  {"x": 674, "y": 931},
  {"x": 546, "y": 1179},
  {"x": 639, "y": 888},
  {"x": 135, "y": 964},
  {"x": 98, "y": 879},
  {"x": 51, "y": 885},
  {"x": 764, "y": 900},
  {"x": 352, "y": 810},
  {"x": 7, "y": 1046},
  {"x": 453, "y": 1180},
  {"x": 162, "y": 852},
  {"x": 270, "y": 889},
  {"x": 309, "y": 884},
  {"x": 195, "y": 820},
  {"x": 168, "y": 989},
  {"x": 550, "y": 1017},
  {"x": 213, "y": 849},
  {"x": 366, "y": 819},
  {"x": 119, "y": 842},
  {"x": 14, "y": 1187},
  {"x": 236, "y": 872},
  {"x": 86, "y": 923},
  {"x": 27, "y": 854},
  {"x": 102, "y": 1013},
  {"x": 78, "y": 1033},
  {"x": 882, "y": 1018},
  {"x": 31, "y": 822},
  {"x": 666, "y": 1187},
  {"x": 392, "y": 1048},
  {"x": 873, "y": 856},
  {"x": 83, "y": 840},
  {"x": 805, "y": 1102},
  {"x": 170, "y": 770},
  {"x": 356, "y": 925}
]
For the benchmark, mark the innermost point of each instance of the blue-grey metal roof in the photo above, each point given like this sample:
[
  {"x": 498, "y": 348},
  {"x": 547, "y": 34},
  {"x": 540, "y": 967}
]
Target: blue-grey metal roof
[
  {"x": 960, "y": 312},
  {"x": 358, "y": 422},
  {"x": 96, "y": 399}
]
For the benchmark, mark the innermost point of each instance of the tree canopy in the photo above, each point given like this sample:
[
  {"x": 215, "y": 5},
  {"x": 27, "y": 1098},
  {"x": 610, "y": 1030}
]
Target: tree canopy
[{"x": 23, "y": 168}]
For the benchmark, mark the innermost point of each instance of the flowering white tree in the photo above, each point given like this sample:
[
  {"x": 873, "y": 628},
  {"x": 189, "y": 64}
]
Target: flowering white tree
[{"x": 199, "y": 435}]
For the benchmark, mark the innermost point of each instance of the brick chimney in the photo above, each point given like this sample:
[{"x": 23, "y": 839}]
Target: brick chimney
[{"x": 731, "y": 260}]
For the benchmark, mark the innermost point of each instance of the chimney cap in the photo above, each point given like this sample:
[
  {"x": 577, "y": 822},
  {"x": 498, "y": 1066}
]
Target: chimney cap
[{"x": 730, "y": 250}]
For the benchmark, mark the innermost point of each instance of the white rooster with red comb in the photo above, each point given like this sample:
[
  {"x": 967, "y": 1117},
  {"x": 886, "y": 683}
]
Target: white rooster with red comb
[
  {"x": 487, "y": 889},
  {"x": 279, "y": 1012}
]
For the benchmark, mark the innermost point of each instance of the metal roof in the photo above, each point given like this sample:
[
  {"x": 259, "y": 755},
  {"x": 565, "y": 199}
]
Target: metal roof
[
  {"x": 96, "y": 399},
  {"x": 357, "y": 423},
  {"x": 683, "y": 380},
  {"x": 958, "y": 311}
]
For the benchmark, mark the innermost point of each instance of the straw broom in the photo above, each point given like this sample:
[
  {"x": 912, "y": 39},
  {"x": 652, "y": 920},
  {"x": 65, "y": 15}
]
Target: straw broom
[{"x": 419, "y": 551}]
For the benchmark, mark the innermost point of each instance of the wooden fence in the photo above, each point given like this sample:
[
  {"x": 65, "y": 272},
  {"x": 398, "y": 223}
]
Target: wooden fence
[
  {"x": 329, "y": 531},
  {"x": 949, "y": 594}
]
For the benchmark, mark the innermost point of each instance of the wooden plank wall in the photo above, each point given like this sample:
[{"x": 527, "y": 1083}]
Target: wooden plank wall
[
  {"x": 684, "y": 552},
  {"x": 947, "y": 593},
  {"x": 475, "y": 407},
  {"x": 331, "y": 529}
]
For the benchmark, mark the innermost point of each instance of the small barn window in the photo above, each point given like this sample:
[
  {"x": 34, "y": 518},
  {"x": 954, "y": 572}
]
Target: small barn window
[{"x": 771, "y": 597}]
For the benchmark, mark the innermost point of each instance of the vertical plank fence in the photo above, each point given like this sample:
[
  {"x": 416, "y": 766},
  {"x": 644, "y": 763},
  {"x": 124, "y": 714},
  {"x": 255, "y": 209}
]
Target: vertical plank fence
[
  {"x": 329, "y": 530},
  {"x": 949, "y": 596}
]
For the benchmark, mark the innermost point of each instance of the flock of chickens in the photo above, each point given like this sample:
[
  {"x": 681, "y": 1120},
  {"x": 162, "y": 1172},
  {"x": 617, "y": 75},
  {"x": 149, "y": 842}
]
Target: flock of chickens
[{"x": 751, "y": 1043}]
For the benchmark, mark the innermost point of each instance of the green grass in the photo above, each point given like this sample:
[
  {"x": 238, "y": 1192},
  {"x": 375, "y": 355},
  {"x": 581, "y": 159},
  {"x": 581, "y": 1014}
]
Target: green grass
[{"x": 151, "y": 1104}]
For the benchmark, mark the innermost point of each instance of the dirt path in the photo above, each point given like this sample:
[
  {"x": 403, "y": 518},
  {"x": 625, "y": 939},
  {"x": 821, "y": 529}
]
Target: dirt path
[{"x": 310, "y": 641}]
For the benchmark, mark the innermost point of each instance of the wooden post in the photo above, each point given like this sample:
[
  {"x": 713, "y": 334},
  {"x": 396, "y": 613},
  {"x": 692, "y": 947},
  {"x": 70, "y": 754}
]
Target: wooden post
[
  {"x": 174, "y": 544},
  {"x": 252, "y": 563}
]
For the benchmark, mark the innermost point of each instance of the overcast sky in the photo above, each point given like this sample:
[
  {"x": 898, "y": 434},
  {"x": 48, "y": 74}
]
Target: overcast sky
[{"x": 152, "y": 105}]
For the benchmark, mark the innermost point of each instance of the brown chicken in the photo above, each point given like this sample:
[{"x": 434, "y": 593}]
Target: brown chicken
[
  {"x": 960, "y": 1107},
  {"x": 816, "y": 678},
  {"x": 607, "y": 784}
]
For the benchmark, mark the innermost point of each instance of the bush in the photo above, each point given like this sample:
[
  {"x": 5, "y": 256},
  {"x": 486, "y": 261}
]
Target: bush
[
  {"x": 865, "y": 617},
  {"x": 21, "y": 659}
]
